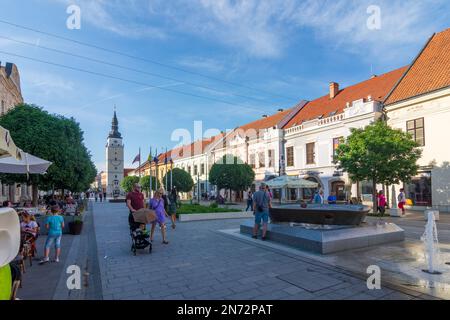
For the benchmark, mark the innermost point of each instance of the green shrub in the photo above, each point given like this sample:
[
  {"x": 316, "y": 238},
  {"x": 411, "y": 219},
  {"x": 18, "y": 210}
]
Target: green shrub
[{"x": 214, "y": 205}]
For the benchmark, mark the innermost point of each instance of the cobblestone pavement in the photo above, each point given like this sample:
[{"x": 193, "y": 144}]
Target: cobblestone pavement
[{"x": 203, "y": 263}]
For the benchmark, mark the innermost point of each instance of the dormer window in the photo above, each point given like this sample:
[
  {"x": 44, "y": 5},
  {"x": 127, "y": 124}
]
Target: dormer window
[{"x": 332, "y": 113}]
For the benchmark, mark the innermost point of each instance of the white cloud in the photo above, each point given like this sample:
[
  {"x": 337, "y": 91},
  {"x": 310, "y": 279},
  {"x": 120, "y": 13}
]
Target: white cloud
[
  {"x": 208, "y": 64},
  {"x": 117, "y": 16},
  {"x": 266, "y": 29},
  {"x": 343, "y": 24},
  {"x": 47, "y": 84}
]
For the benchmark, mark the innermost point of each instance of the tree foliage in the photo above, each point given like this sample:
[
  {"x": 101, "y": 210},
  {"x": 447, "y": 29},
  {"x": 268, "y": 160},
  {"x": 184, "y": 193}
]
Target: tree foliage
[
  {"x": 231, "y": 173},
  {"x": 54, "y": 138},
  {"x": 380, "y": 154},
  {"x": 181, "y": 180},
  {"x": 145, "y": 183},
  {"x": 128, "y": 182}
]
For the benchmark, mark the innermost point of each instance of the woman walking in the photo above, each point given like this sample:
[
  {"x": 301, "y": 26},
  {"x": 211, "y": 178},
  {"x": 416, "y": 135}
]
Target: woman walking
[
  {"x": 381, "y": 203},
  {"x": 173, "y": 206},
  {"x": 157, "y": 204}
]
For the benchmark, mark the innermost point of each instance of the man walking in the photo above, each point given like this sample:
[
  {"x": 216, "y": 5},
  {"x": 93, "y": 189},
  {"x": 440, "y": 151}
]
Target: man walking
[
  {"x": 135, "y": 200},
  {"x": 261, "y": 205}
]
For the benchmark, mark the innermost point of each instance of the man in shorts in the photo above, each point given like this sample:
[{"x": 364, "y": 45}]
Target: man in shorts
[{"x": 261, "y": 204}]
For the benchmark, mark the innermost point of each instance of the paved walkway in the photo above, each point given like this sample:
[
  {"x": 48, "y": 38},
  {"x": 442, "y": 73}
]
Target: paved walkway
[
  {"x": 48, "y": 282},
  {"x": 39, "y": 282},
  {"x": 203, "y": 263}
]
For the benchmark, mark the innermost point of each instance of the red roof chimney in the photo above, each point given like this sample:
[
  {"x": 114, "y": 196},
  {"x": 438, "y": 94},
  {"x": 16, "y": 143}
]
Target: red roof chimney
[{"x": 334, "y": 89}]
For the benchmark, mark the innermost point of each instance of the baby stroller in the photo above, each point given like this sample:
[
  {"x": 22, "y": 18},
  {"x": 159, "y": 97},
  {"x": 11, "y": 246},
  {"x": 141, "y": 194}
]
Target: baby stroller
[{"x": 140, "y": 239}]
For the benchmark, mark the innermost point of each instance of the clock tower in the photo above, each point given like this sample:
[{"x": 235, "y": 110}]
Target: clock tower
[{"x": 114, "y": 160}]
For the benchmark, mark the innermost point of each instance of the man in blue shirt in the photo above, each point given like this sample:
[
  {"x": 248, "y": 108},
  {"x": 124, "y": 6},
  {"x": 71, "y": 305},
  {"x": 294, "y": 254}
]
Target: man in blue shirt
[
  {"x": 261, "y": 205},
  {"x": 332, "y": 198}
]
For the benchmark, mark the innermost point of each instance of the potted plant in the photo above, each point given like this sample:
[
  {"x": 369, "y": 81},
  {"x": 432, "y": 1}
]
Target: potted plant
[{"x": 76, "y": 226}]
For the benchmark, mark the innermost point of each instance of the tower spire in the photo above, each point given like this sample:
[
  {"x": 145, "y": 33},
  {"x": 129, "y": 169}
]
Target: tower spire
[{"x": 114, "y": 133}]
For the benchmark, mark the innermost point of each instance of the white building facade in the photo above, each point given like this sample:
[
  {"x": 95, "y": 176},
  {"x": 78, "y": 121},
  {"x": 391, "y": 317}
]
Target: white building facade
[{"x": 310, "y": 149}]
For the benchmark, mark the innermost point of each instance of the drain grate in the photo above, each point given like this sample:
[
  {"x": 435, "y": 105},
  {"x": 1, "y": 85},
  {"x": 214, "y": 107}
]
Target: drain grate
[{"x": 310, "y": 281}]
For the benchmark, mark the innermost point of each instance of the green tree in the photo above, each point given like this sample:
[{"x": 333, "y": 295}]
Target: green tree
[
  {"x": 380, "y": 154},
  {"x": 181, "y": 180},
  {"x": 145, "y": 183},
  {"x": 54, "y": 138},
  {"x": 128, "y": 182},
  {"x": 231, "y": 173}
]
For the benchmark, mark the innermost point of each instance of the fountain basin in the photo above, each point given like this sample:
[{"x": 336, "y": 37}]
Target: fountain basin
[
  {"x": 325, "y": 214},
  {"x": 328, "y": 239}
]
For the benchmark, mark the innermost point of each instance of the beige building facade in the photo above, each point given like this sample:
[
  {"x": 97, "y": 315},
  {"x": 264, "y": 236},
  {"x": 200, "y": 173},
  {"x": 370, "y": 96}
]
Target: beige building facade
[
  {"x": 10, "y": 92},
  {"x": 10, "y": 96}
]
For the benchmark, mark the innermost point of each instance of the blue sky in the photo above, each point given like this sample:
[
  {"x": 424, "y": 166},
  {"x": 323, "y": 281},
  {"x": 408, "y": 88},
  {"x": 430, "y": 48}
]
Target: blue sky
[{"x": 288, "y": 50}]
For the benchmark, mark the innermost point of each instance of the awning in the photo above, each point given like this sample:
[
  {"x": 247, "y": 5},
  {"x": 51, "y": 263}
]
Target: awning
[
  {"x": 7, "y": 146},
  {"x": 291, "y": 182}
]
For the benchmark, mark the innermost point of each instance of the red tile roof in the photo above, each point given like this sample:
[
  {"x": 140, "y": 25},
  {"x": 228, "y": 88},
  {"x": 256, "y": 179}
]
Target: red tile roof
[
  {"x": 430, "y": 71},
  {"x": 377, "y": 87},
  {"x": 251, "y": 129}
]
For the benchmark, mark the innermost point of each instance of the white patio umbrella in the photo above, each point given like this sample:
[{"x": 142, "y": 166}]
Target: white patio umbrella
[
  {"x": 7, "y": 146},
  {"x": 29, "y": 164},
  {"x": 291, "y": 182}
]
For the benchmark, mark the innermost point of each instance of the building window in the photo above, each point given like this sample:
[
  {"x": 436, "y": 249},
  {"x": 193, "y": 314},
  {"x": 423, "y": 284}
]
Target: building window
[
  {"x": 310, "y": 153},
  {"x": 252, "y": 161},
  {"x": 271, "y": 156},
  {"x": 189, "y": 169},
  {"x": 290, "y": 156},
  {"x": 336, "y": 143},
  {"x": 419, "y": 189},
  {"x": 202, "y": 168},
  {"x": 261, "y": 160},
  {"x": 195, "y": 170},
  {"x": 417, "y": 129}
]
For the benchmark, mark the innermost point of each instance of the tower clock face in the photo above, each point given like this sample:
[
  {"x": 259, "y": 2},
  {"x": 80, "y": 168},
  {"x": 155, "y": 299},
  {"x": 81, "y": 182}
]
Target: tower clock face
[{"x": 115, "y": 162}]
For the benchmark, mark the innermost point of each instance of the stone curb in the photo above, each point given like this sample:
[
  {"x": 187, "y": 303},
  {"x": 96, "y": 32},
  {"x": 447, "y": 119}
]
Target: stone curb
[{"x": 214, "y": 216}]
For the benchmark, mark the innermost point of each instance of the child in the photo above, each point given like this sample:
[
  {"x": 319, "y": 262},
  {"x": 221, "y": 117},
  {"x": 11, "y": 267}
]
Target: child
[
  {"x": 402, "y": 200},
  {"x": 55, "y": 225},
  {"x": 28, "y": 225}
]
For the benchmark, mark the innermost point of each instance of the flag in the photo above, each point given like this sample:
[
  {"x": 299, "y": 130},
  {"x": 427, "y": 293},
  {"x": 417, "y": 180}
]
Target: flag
[
  {"x": 137, "y": 158},
  {"x": 165, "y": 158},
  {"x": 150, "y": 156}
]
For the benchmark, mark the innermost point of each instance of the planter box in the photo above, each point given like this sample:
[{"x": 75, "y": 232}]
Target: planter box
[
  {"x": 214, "y": 216},
  {"x": 75, "y": 228},
  {"x": 117, "y": 200}
]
